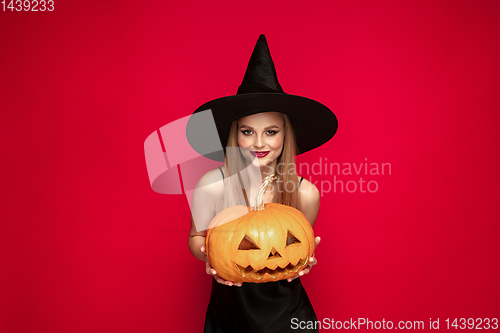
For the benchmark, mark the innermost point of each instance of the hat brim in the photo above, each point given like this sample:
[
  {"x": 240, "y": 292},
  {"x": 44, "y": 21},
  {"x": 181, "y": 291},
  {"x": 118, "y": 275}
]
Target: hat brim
[{"x": 314, "y": 123}]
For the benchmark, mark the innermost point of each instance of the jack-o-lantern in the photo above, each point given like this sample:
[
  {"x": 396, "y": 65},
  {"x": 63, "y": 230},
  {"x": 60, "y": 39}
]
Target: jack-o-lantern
[{"x": 272, "y": 243}]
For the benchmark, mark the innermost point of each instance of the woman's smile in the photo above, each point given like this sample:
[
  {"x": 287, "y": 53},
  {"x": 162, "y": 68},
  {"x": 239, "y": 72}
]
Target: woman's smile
[{"x": 259, "y": 153}]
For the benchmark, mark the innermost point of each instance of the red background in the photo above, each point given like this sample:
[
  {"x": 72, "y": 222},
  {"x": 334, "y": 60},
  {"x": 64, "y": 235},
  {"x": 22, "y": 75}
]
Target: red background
[{"x": 87, "y": 246}]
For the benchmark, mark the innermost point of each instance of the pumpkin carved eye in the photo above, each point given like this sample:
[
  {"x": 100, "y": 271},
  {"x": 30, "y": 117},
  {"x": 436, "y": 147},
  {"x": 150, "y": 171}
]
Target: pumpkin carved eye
[
  {"x": 248, "y": 244},
  {"x": 291, "y": 239}
]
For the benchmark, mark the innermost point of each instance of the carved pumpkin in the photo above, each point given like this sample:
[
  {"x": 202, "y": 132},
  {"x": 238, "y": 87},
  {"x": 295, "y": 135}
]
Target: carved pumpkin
[{"x": 272, "y": 243}]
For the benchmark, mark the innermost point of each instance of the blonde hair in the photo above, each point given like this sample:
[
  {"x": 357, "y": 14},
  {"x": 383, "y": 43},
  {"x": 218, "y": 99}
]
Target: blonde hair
[{"x": 286, "y": 191}]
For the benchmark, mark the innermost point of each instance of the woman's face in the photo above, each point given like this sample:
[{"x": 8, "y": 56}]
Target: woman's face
[{"x": 261, "y": 137}]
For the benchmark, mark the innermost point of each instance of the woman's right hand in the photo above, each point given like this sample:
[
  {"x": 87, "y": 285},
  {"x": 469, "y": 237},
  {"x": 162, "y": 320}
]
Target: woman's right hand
[{"x": 213, "y": 272}]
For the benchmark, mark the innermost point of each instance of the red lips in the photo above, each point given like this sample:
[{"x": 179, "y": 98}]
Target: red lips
[{"x": 259, "y": 153}]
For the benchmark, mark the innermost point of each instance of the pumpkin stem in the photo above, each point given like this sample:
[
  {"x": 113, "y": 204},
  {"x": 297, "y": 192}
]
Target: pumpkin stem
[{"x": 262, "y": 190}]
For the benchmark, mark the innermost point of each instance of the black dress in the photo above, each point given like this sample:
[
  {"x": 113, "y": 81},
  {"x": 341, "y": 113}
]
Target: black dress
[{"x": 258, "y": 307}]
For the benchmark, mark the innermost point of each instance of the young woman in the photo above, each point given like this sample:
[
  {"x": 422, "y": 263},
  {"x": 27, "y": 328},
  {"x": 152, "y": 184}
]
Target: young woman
[{"x": 261, "y": 129}]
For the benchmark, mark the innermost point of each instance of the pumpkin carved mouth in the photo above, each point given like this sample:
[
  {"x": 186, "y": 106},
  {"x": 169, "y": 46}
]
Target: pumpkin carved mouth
[{"x": 245, "y": 271}]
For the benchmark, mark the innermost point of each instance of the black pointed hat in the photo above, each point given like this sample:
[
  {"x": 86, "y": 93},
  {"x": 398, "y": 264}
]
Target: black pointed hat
[{"x": 313, "y": 123}]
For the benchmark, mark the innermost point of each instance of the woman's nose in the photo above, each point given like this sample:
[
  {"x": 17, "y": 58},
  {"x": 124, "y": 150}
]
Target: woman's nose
[{"x": 259, "y": 142}]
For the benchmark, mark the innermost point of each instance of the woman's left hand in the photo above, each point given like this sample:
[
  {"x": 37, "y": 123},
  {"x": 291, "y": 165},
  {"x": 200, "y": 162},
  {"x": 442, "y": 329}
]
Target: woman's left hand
[{"x": 312, "y": 262}]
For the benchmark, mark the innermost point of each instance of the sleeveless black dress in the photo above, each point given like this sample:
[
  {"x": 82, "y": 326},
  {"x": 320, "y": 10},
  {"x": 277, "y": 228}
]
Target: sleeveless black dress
[{"x": 258, "y": 307}]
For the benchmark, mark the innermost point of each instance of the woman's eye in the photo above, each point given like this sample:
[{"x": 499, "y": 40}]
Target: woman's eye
[
  {"x": 246, "y": 132},
  {"x": 271, "y": 132}
]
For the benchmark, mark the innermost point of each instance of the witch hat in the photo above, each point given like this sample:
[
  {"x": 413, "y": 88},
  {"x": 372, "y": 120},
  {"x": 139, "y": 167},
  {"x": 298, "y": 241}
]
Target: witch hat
[{"x": 313, "y": 123}]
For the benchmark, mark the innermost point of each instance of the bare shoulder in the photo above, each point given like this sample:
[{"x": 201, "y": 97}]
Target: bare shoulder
[
  {"x": 204, "y": 200},
  {"x": 308, "y": 190},
  {"x": 309, "y": 198},
  {"x": 211, "y": 182}
]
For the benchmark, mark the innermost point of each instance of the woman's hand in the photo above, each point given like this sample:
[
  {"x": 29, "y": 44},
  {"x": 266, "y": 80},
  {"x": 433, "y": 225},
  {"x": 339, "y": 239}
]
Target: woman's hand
[
  {"x": 312, "y": 262},
  {"x": 213, "y": 272}
]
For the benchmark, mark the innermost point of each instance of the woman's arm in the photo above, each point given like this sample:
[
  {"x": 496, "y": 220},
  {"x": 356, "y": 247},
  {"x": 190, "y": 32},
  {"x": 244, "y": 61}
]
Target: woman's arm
[
  {"x": 203, "y": 204},
  {"x": 309, "y": 205},
  {"x": 205, "y": 197},
  {"x": 196, "y": 242}
]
